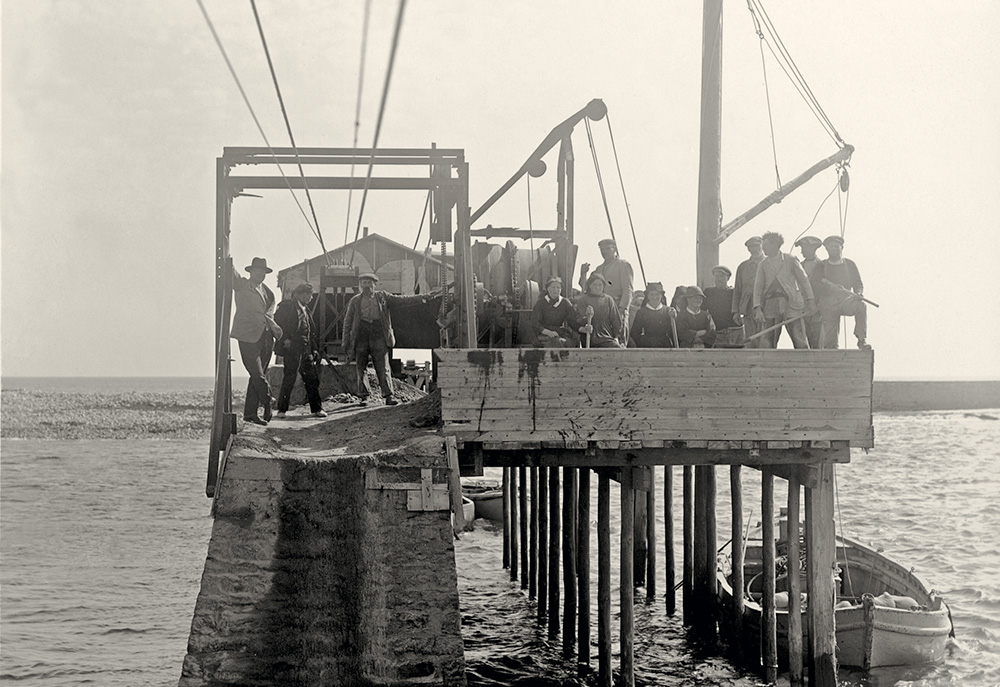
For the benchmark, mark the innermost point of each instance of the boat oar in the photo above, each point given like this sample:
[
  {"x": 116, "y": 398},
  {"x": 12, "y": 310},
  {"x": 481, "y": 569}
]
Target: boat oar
[
  {"x": 850, "y": 294},
  {"x": 762, "y": 332}
]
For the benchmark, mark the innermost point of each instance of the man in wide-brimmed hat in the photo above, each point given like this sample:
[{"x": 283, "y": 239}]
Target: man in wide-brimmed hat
[
  {"x": 368, "y": 333},
  {"x": 255, "y": 330},
  {"x": 695, "y": 327},
  {"x": 299, "y": 348},
  {"x": 838, "y": 284},
  {"x": 742, "y": 307},
  {"x": 719, "y": 303}
]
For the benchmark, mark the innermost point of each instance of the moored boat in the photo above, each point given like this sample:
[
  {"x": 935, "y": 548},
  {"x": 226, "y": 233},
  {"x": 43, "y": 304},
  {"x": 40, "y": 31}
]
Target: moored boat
[
  {"x": 487, "y": 496},
  {"x": 884, "y": 615}
]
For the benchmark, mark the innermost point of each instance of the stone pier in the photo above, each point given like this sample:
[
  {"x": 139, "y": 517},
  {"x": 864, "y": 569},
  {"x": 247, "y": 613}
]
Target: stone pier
[{"x": 328, "y": 570}]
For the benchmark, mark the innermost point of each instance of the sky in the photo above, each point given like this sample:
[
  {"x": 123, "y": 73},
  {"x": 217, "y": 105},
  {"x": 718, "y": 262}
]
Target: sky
[{"x": 114, "y": 111}]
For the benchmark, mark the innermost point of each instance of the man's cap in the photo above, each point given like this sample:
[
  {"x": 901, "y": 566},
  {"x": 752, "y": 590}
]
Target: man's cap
[
  {"x": 369, "y": 275},
  {"x": 606, "y": 242},
  {"x": 553, "y": 280},
  {"x": 722, "y": 268},
  {"x": 752, "y": 240},
  {"x": 834, "y": 239},
  {"x": 808, "y": 241},
  {"x": 304, "y": 287},
  {"x": 694, "y": 291},
  {"x": 259, "y": 262},
  {"x": 654, "y": 286}
]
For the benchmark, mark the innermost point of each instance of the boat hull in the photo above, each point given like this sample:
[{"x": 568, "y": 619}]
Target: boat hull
[
  {"x": 489, "y": 505},
  {"x": 897, "y": 636}
]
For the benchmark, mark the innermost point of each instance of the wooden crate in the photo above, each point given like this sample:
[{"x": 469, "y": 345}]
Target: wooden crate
[{"x": 574, "y": 395}]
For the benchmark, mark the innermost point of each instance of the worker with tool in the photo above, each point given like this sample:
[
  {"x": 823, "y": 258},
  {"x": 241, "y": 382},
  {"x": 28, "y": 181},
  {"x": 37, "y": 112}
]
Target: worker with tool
[
  {"x": 782, "y": 293},
  {"x": 838, "y": 283}
]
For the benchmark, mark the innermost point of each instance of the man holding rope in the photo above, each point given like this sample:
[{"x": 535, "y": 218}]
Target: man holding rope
[
  {"x": 781, "y": 293},
  {"x": 838, "y": 283}
]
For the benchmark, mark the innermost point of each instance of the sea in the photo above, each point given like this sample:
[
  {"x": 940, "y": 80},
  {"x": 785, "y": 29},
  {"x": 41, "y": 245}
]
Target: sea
[{"x": 102, "y": 545}]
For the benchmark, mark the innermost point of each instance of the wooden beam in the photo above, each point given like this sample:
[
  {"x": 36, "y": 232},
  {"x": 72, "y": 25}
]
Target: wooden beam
[
  {"x": 736, "y": 548},
  {"x": 794, "y": 587},
  {"x": 626, "y": 637},
  {"x": 505, "y": 488},
  {"x": 569, "y": 559},
  {"x": 513, "y": 233},
  {"x": 236, "y": 184},
  {"x": 755, "y": 458},
  {"x": 821, "y": 559},
  {"x": 778, "y": 195},
  {"x": 710, "y": 146},
  {"x": 513, "y": 522},
  {"x": 522, "y": 510},
  {"x": 688, "y": 578},
  {"x": 554, "y": 546},
  {"x": 583, "y": 568},
  {"x": 650, "y": 508},
  {"x": 700, "y": 588},
  {"x": 711, "y": 554},
  {"x": 668, "y": 539},
  {"x": 604, "y": 677},
  {"x": 533, "y": 537},
  {"x": 543, "y": 542},
  {"x": 428, "y": 155},
  {"x": 769, "y": 626}
]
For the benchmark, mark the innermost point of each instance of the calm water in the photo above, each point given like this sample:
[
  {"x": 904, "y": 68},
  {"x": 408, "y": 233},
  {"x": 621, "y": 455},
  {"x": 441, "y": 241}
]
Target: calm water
[{"x": 103, "y": 544}]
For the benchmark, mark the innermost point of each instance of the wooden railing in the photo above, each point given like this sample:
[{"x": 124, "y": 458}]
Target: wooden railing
[{"x": 223, "y": 418}]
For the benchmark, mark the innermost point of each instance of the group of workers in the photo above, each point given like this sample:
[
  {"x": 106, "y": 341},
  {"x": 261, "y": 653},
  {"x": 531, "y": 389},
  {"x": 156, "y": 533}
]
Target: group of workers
[
  {"x": 772, "y": 289},
  {"x": 289, "y": 330}
]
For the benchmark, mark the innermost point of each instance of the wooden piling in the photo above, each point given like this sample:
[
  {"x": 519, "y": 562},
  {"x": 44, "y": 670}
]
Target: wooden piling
[
  {"x": 688, "y": 573},
  {"x": 821, "y": 554},
  {"x": 626, "y": 675},
  {"x": 668, "y": 539},
  {"x": 650, "y": 508},
  {"x": 569, "y": 559},
  {"x": 583, "y": 568},
  {"x": 522, "y": 479},
  {"x": 505, "y": 488},
  {"x": 736, "y": 547},
  {"x": 711, "y": 555},
  {"x": 769, "y": 628},
  {"x": 554, "y": 546},
  {"x": 533, "y": 536},
  {"x": 512, "y": 521},
  {"x": 639, "y": 544},
  {"x": 794, "y": 586},
  {"x": 700, "y": 581},
  {"x": 604, "y": 678},
  {"x": 543, "y": 543}
]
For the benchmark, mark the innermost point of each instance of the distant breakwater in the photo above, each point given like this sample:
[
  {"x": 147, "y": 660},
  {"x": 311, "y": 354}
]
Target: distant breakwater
[{"x": 46, "y": 414}]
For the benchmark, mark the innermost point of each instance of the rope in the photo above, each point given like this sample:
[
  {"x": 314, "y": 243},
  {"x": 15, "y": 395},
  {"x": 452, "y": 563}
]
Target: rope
[
  {"x": 767, "y": 91},
  {"x": 246, "y": 100},
  {"x": 791, "y": 70},
  {"x": 378, "y": 123},
  {"x": 423, "y": 216},
  {"x": 357, "y": 113},
  {"x": 843, "y": 214},
  {"x": 288, "y": 126},
  {"x": 840, "y": 522},
  {"x": 621, "y": 181},
  {"x": 531, "y": 227},
  {"x": 600, "y": 180},
  {"x": 817, "y": 212}
]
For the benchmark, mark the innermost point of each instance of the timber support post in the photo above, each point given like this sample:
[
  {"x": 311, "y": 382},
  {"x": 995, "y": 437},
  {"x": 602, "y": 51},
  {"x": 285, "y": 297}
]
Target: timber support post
[
  {"x": 522, "y": 480},
  {"x": 604, "y": 678},
  {"x": 794, "y": 586},
  {"x": 533, "y": 536},
  {"x": 668, "y": 539},
  {"x": 513, "y": 521},
  {"x": 822, "y": 559},
  {"x": 583, "y": 568},
  {"x": 626, "y": 637},
  {"x": 554, "y": 546},
  {"x": 768, "y": 626},
  {"x": 569, "y": 559},
  {"x": 543, "y": 543},
  {"x": 736, "y": 547}
]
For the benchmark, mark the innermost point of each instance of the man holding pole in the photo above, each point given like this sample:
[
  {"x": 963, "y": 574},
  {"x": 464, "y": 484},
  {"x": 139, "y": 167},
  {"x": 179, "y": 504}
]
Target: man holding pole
[
  {"x": 782, "y": 293},
  {"x": 838, "y": 283},
  {"x": 618, "y": 277}
]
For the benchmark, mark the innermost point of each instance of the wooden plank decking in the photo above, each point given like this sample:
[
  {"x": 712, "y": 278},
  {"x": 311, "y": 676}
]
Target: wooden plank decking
[{"x": 572, "y": 396}]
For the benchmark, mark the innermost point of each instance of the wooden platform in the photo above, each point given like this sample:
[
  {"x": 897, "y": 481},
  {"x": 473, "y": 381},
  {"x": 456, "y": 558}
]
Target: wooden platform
[{"x": 651, "y": 398}]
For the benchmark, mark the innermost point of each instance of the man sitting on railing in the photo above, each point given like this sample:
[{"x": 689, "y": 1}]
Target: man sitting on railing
[{"x": 255, "y": 330}]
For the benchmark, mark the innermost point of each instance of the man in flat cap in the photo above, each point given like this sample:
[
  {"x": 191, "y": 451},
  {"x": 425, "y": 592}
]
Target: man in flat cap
[
  {"x": 255, "y": 330},
  {"x": 719, "y": 303},
  {"x": 809, "y": 245},
  {"x": 299, "y": 348},
  {"x": 742, "y": 307},
  {"x": 617, "y": 275},
  {"x": 368, "y": 333},
  {"x": 838, "y": 283},
  {"x": 781, "y": 292}
]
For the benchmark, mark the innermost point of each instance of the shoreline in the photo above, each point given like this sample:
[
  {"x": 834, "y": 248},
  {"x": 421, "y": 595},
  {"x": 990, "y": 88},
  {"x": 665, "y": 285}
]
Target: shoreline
[{"x": 164, "y": 415}]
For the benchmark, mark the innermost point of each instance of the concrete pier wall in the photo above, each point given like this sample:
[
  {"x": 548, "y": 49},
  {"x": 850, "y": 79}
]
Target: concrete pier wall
[{"x": 314, "y": 578}]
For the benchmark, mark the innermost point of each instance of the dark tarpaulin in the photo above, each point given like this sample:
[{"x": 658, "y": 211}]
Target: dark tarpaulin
[{"x": 415, "y": 326}]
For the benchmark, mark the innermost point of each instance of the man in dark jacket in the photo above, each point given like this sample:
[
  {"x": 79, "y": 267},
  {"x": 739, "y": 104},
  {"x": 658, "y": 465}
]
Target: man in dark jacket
[
  {"x": 695, "y": 328},
  {"x": 299, "y": 347},
  {"x": 719, "y": 303},
  {"x": 838, "y": 284},
  {"x": 255, "y": 330},
  {"x": 368, "y": 333}
]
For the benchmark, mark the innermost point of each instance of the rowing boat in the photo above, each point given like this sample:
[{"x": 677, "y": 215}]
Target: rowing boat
[{"x": 884, "y": 615}]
